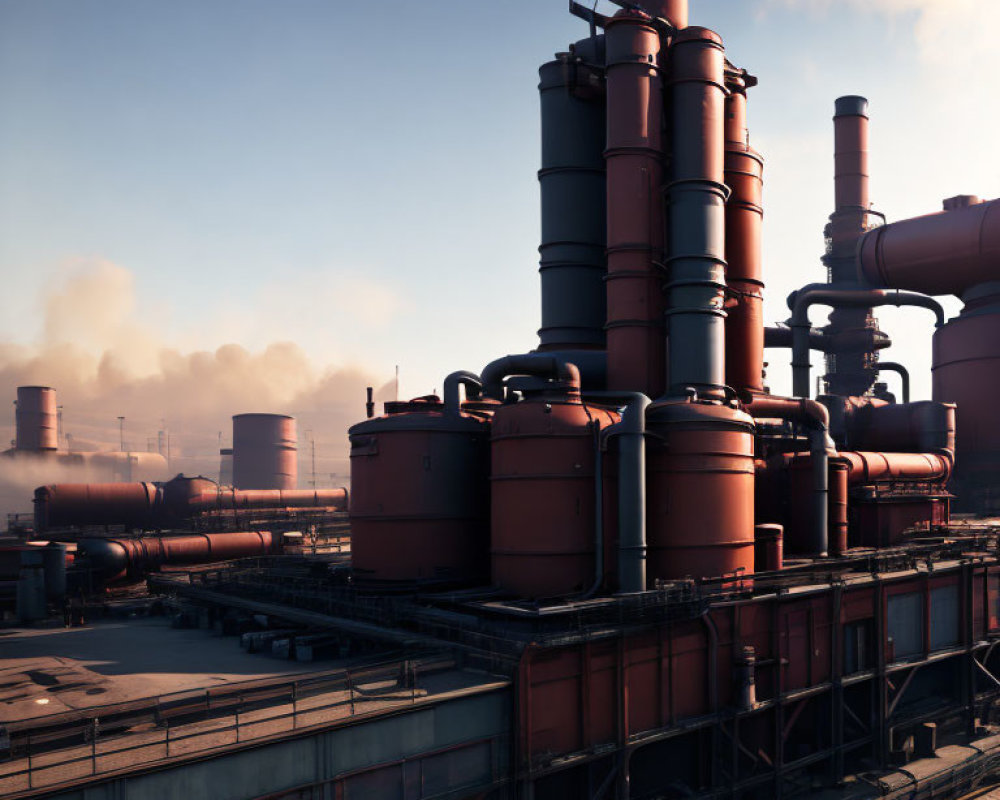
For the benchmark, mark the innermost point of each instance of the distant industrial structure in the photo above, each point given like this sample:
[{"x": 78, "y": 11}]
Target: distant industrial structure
[{"x": 37, "y": 444}]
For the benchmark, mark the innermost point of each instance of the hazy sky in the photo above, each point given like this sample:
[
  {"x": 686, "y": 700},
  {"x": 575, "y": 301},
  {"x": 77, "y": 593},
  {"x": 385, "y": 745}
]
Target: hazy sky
[{"x": 359, "y": 177}]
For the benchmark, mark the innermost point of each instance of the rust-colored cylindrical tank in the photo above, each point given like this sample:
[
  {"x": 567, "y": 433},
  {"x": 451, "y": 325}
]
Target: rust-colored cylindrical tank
[
  {"x": 79, "y": 504},
  {"x": 635, "y": 235},
  {"x": 37, "y": 418},
  {"x": 768, "y": 554},
  {"x": 264, "y": 452},
  {"x": 420, "y": 494},
  {"x": 966, "y": 353},
  {"x": 700, "y": 479},
  {"x": 744, "y": 265},
  {"x": 544, "y": 457}
]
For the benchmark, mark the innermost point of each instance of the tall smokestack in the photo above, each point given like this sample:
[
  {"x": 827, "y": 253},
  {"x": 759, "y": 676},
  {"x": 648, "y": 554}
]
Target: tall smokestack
[
  {"x": 37, "y": 418},
  {"x": 852, "y": 364}
]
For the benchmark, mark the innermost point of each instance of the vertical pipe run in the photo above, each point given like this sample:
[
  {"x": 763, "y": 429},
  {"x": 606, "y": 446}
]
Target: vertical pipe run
[
  {"x": 631, "y": 433},
  {"x": 852, "y": 366},
  {"x": 744, "y": 270},
  {"x": 697, "y": 214},
  {"x": 634, "y": 161}
]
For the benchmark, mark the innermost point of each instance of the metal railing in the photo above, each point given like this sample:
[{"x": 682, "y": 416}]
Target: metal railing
[{"x": 109, "y": 738}]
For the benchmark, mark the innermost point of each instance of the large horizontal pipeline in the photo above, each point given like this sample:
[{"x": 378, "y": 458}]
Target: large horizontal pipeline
[
  {"x": 872, "y": 467},
  {"x": 944, "y": 253},
  {"x": 117, "y": 559},
  {"x": 150, "y": 506}
]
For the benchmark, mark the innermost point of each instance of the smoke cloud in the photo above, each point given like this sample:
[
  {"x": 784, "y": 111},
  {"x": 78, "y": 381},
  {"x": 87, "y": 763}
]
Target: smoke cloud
[{"x": 106, "y": 359}]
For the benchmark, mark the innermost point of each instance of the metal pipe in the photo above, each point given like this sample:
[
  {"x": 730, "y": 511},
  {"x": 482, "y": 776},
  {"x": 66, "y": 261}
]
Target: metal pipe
[
  {"x": 542, "y": 365},
  {"x": 631, "y": 486},
  {"x": 781, "y": 337},
  {"x": 903, "y": 372},
  {"x": 452, "y": 399},
  {"x": 697, "y": 216},
  {"x": 839, "y": 297},
  {"x": 816, "y": 417},
  {"x": 944, "y": 253}
]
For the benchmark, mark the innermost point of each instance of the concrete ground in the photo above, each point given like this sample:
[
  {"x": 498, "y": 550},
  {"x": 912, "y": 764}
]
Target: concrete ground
[{"x": 48, "y": 670}]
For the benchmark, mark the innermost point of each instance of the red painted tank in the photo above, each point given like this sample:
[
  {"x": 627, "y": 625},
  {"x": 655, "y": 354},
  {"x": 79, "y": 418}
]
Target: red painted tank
[
  {"x": 768, "y": 553},
  {"x": 420, "y": 494},
  {"x": 543, "y": 490},
  {"x": 700, "y": 484}
]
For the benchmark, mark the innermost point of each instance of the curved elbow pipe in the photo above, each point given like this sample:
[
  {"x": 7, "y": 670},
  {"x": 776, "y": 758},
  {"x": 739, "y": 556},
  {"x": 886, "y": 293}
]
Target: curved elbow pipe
[
  {"x": 452, "y": 399},
  {"x": 797, "y": 409},
  {"x": 816, "y": 417},
  {"x": 847, "y": 297},
  {"x": 539, "y": 365},
  {"x": 903, "y": 372},
  {"x": 827, "y": 294}
]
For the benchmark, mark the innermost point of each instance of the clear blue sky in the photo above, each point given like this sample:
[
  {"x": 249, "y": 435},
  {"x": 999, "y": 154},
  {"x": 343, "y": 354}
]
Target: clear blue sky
[{"x": 360, "y": 177}]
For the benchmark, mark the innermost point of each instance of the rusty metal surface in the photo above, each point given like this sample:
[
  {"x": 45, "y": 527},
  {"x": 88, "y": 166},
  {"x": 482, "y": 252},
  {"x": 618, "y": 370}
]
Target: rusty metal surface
[
  {"x": 420, "y": 505},
  {"x": 700, "y": 478},
  {"x": 264, "y": 452},
  {"x": 119, "y": 559},
  {"x": 635, "y": 235},
  {"x": 79, "y": 504},
  {"x": 744, "y": 264},
  {"x": 543, "y": 493},
  {"x": 965, "y": 358}
]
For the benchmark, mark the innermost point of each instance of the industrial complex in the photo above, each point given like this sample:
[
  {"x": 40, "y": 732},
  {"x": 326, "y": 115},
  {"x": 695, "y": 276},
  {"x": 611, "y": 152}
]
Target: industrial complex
[{"x": 617, "y": 566}]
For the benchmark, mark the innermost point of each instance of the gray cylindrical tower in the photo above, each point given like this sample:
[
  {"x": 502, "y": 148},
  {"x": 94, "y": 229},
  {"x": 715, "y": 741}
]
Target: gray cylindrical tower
[
  {"x": 264, "y": 452},
  {"x": 37, "y": 418}
]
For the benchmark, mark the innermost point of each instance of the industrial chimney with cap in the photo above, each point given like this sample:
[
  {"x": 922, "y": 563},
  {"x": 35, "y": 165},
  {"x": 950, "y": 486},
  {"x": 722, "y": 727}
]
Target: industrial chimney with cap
[{"x": 264, "y": 452}]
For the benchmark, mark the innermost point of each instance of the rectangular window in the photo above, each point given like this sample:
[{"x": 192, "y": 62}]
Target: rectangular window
[
  {"x": 858, "y": 646},
  {"x": 944, "y": 617},
  {"x": 905, "y": 625}
]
